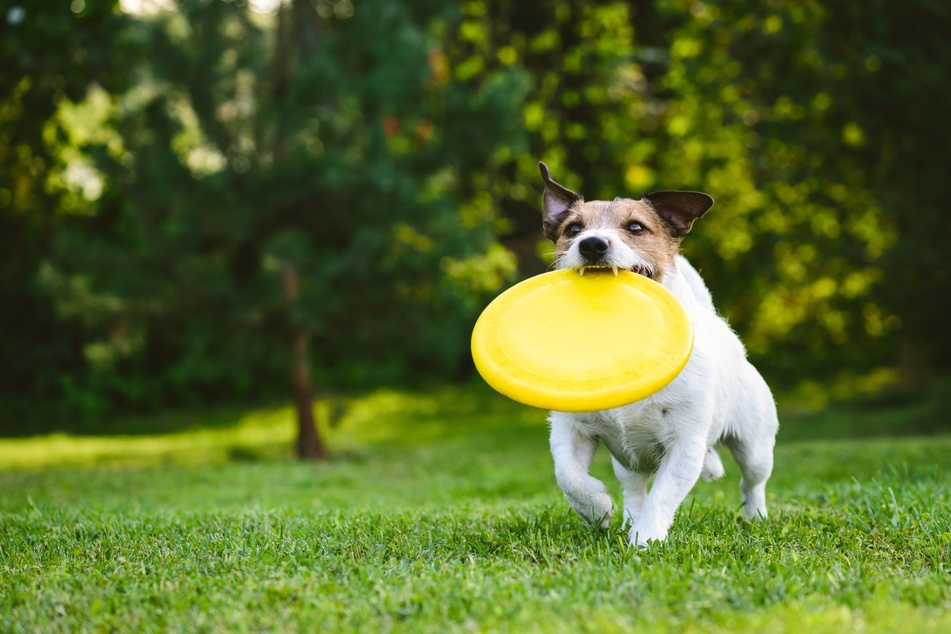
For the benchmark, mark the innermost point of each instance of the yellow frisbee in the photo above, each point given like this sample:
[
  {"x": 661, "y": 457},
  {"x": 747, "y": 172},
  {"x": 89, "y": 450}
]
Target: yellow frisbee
[{"x": 582, "y": 343}]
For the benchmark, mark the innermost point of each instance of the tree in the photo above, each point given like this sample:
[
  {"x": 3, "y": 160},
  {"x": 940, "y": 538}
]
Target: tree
[
  {"x": 588, "y": 113},
  {"x": 829, "y": 123},
  {"x": 792, "y": 114},
  {"x": 272, "y": 185},
  {"x": 299, "y": 184},
  {"x": 47, "y": 55}
]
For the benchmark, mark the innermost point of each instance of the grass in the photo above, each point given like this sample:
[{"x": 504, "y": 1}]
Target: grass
[{"x": 441, "y": 514}]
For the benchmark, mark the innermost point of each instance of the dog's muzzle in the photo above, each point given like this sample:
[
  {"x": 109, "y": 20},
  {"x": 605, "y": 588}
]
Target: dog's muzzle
[{"x": 594, "y": 251}]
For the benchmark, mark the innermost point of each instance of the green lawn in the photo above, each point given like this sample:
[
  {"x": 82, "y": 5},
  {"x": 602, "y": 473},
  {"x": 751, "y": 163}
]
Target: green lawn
[{"x": 441, "y": 513}]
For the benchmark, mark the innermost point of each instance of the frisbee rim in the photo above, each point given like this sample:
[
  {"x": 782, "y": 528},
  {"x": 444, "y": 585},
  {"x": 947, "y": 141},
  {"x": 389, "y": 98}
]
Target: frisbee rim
[{"x": 620, "y": 388}]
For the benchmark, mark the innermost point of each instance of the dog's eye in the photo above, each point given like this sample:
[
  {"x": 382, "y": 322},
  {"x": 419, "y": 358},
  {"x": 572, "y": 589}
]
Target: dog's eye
[
  {"x": 636, "y": 228},
  {"x": 573, "y": 229}
]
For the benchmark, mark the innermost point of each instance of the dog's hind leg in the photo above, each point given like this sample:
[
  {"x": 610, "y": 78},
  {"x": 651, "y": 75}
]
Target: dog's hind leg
[
  {"x": 635, "y": 490},
  {"x": 755, "y": 458},
  {"x": 751, "y": 440}
]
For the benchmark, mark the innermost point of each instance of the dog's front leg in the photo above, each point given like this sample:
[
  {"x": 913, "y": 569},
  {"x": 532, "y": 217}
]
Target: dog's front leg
[
  {"x": 678, "y": 472},
  {"x": 573, "y": 450}
]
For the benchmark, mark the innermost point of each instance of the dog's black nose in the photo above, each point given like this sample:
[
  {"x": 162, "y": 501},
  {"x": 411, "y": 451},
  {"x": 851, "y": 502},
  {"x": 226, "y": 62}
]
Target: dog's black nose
[{"x": 592, "y": 248}]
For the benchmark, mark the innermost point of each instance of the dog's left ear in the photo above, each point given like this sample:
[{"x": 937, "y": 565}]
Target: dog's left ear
[
  {"x": 556, "y": 203},
  {"x": 679, "y": 209}
]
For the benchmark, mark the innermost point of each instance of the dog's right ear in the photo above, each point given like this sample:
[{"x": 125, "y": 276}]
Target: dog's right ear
[
  {"x": 556, "y": 203},
  {"x": 679, "y": 209}
]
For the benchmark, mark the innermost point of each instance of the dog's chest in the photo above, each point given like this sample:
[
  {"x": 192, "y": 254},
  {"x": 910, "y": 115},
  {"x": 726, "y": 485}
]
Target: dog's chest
[{"x": 636, "y": 436}]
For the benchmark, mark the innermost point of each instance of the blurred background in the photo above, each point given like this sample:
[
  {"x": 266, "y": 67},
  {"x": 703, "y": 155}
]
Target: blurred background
[{"x": 210, "y": 202}]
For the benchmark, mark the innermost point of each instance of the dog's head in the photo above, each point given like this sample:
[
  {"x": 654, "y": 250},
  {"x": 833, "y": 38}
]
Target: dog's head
[{"x": 642, "y": 236}]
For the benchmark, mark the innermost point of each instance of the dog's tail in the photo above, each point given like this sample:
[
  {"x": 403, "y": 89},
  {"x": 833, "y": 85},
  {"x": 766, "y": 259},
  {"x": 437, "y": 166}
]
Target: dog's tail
[{"x": 712, "y": 467}]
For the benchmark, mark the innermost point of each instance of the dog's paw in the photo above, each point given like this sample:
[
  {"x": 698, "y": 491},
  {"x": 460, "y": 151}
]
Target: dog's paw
[
  {"x": 755, "y": 511},
  {"x": 712, "y": 466},
  {"x": 641, "y": 537},
  {"x": 594, "y": 504},
  {"x": 646, "y": 529},
  {"x": 754, "y": 501}
]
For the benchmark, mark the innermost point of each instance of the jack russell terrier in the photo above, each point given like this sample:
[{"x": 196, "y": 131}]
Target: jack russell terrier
[{"x": 719, "y": 397}]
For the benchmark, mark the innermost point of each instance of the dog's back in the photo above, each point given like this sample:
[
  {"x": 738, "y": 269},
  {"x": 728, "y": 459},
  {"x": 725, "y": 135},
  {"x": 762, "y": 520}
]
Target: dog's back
[
  {"x": 742, "y": 401},
  {"x": 695, "y": 282}
]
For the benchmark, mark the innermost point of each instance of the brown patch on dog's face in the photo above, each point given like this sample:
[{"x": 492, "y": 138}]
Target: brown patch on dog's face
[
  {"x": 637, "y": 238},
  {"x": 652, "y": 240}
]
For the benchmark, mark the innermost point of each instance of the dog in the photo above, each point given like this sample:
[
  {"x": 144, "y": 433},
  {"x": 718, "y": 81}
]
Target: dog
[{"x": 719, "y": 397}]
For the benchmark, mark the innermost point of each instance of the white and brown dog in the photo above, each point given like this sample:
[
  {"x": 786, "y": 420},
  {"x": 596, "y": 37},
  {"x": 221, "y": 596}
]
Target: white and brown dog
[{"x": 719, "y": 397}]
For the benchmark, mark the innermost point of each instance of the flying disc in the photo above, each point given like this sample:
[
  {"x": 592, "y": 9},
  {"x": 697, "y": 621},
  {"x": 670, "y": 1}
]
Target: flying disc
[{"x": 582, "y": 343}]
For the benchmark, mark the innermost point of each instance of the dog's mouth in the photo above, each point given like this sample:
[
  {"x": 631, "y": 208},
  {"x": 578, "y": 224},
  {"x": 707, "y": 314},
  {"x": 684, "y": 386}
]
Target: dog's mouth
[{"x": 640, "y": 270}]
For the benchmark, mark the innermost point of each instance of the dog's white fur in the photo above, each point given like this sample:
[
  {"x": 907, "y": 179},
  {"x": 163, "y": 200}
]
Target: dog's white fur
[{"x": 719, "y": 397}]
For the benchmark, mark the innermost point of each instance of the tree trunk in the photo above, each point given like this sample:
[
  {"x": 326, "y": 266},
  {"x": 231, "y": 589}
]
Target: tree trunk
[
  {"x": 295, "y": 36},
  {"x": 309, "y": 444}
]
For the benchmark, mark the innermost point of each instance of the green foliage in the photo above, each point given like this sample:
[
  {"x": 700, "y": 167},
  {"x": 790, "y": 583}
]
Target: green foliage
[
  {"x": 237, "y": 156},
  {"x": 446, "y": 517},
  {"x": 793, "y": 115},
  {"x": 161, "y": 174},
  {"x": 585, "y": 113},
  {"x": 46, "y": 57},
  {"x": 801, "y": 122}
]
